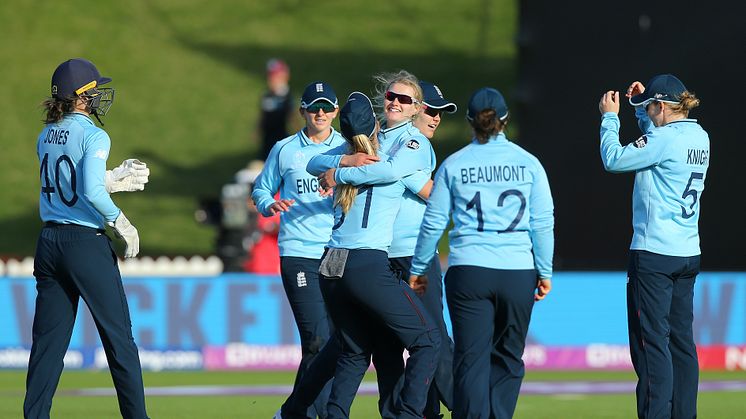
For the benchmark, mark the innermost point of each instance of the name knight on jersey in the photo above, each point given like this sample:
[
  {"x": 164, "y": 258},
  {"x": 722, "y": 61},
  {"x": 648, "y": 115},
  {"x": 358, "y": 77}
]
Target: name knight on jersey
[
  {"x": 307, "y": 185},
  {"x": 56, "y": 136},
  {"x": 700, "y": 157},
  {"x": 485, "y": 174}
]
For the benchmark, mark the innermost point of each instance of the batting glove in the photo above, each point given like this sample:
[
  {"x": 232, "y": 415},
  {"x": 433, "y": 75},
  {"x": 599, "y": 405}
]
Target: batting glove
[
  {"x": 130, "y": 176},
  {"x": 126, "y": 231}
]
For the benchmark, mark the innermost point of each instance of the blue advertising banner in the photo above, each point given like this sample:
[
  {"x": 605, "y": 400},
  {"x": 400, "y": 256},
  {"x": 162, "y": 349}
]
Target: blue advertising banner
[{"x": 183, "y": 314}]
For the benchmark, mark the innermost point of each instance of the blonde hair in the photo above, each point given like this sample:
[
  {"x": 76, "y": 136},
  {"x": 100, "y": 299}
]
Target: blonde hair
[
  {"x": 385, "y": 80},
  {"x": 345, "y": 194},
  {"x": 687, "y": 102}
]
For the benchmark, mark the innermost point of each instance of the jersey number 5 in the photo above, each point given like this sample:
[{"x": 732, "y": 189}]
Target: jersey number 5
[
  {"x": 693, "y": 193},
  {"x": 47, "y": 187},
  {"x": 476, "y": 202}
]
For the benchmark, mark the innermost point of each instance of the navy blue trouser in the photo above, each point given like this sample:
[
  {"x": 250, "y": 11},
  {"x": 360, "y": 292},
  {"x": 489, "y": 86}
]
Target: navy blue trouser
[
  {"x": 660, "y": 299},
  {"x": 73, "y": 262},
  {"x": 385, "y": 358},
  {"x": 300, "y": 277},
  {"x": 368, "y": 294},
  {"x": 490, "y": 312},
  {"x": 317, "y": 377}
]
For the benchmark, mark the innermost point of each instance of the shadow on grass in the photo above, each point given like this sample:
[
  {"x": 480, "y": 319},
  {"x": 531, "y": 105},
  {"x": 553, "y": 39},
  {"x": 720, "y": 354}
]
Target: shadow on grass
[{"x": 346, "y": 71}]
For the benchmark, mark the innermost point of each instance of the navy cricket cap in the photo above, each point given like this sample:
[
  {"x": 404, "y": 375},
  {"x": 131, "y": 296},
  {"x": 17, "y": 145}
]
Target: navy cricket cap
[
  {"x": 317, "y": 91},
  {"x": 74, "y": 77},
  {"x": 433, "y": 98},
  {"x": 357, "y": 116},
  {"x": 661, "y": 88},
  {"x": 487, "y": 98}
]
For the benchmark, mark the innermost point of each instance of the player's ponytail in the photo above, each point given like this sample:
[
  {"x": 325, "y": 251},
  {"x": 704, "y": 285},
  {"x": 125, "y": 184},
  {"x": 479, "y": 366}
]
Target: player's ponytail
[
  {"x": 486, "y": 124},
  {"x": 687, "y": 102},
  {"x": 344, "y": 195},
  {"x": 57, "y": 108}
]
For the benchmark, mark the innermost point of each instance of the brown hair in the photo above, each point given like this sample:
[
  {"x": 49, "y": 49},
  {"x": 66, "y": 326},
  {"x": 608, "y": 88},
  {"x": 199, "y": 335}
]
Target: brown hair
[
  {"x": 345, "y": 194},
  {"x": 687, "y": 102},
  {"x": 486, "y": 124},
  {"x": 57, "y": 108}
]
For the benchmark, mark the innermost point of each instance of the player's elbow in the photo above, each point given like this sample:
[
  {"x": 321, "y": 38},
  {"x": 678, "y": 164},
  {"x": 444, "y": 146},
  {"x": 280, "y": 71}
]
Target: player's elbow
[{"x": 611, "y": 164}]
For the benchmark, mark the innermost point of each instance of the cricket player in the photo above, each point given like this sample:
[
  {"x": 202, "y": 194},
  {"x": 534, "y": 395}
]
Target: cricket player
[
  {"x": 501, "y": 249},
  {"x": 306, "y": 219},
  {"x": 670, "y": 162}
]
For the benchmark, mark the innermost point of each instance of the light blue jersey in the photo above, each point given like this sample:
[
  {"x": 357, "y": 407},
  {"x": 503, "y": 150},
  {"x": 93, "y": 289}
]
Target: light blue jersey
[
  {"x": 412, "y": 208},
  {"x": 73, "y": 154},
  {"x": 411, "y": 155},
  {"x": 671, "y": 164},
  {"x": 370, "y": 222},
  {"x": 503, "y": 216},
  {"x": 306, "y": 226}
]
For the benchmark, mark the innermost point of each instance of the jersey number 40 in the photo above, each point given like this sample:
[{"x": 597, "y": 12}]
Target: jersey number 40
[{"x": 48, "y": 189}]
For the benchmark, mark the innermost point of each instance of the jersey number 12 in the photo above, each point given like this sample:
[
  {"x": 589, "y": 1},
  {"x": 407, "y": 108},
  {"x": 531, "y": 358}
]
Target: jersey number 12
[{"x": 476, "y": 202}]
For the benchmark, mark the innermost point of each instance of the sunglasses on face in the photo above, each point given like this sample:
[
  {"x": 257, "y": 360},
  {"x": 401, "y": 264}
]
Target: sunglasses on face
[
  {"x": 320, "y": 106},
  {"x": 432, "y": 111},
  {"x": 403, "y": 99}
]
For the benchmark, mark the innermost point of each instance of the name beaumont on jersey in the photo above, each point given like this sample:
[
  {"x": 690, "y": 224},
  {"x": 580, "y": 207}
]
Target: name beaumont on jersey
[
  {"x": 485, "y": 174},
  {"x": 56, "y": 136},
  {"x": 695, "y": 156}
]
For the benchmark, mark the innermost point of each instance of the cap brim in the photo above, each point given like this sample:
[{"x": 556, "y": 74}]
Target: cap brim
[
  {"x": 442, "y": 104},
  {"x": 639, "y": 100},
  {"x": 103, "y": 80},
  {"x": 305, "y": 105}
]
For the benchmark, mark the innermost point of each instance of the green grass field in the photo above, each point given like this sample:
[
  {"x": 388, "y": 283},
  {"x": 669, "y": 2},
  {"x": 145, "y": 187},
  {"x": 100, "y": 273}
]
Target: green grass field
[
  {"x": 189, "y": 74},
  {"x": 559, "y": 406}
]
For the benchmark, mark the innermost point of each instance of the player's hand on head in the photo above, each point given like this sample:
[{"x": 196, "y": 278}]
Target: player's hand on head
[
  {"x": 635, "y": 89},
  {"x": 543, "y": 287},
  {"x": 358, "y": 159},
  {"x": 326, "y": 179},
  {"x": 130, "y": 176},
  {"x": 127, "y": 232},
  {"x": 418, "y": 283},
  {"x": 609, "y": 102}
]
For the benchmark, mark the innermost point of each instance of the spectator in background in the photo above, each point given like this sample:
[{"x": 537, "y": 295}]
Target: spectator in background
[
  {"x": 277, "y": 105},
  {"x": 264, "y": 254}
]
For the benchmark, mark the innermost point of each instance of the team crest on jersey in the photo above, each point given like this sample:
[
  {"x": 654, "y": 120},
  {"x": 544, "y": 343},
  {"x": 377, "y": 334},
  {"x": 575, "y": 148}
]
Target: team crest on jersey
[
  {"x": 641, "y": 142},
  {"x": 301, "y": 279},
  {"x": 413, "y": 144},
  {"x": 299, "y": 160}
]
